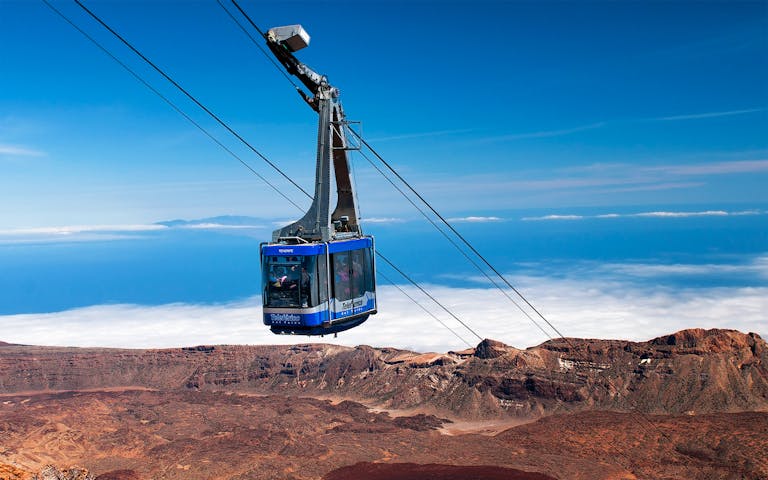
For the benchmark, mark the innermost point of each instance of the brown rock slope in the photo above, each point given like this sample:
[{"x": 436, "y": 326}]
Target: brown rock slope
[
  {"x": 240, "y": 412},
  {"x": 696, "y": 371},
  {"x": 215, "y": 435},
  {"x": 9, "y": 472},
  {"x": 201, "y": 435}
]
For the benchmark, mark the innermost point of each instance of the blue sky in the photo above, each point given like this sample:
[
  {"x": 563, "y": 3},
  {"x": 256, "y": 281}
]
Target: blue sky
[
  {"x": 538, "y": 120},
  {"x": 489, "y": 105}
]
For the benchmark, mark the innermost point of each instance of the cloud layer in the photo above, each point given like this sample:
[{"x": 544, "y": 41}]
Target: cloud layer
[
  {"x": 578, "y": 308},
  {"x": 85, "y": 233}
]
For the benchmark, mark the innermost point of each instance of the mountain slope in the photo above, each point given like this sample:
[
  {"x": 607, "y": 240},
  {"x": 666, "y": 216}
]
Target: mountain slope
[{"x": 692, "y": 371}]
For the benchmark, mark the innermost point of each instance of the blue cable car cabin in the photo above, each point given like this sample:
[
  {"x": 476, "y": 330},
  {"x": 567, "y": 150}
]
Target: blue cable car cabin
[
  {"x": 318, "y": 288},
  {"x": 318, "y": 273}
]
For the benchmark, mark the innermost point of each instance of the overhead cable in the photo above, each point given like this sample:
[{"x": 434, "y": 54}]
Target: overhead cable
[
  {"x": 455, "y": 232},
  {"x": 221, "y": 122},
  {"x": 567, "y": 340},
  {"x": 169, "y": 102},
  {"x": 426, "y": 310},
  {"x": 269, "y": 56},
  {"x": 465, "y": 241},
  {"x": 472, "y": 248},
  {"x": 427, "y": 294},
  {"x": 481, "y": 270},
  {"x": 453, "y": 242},
  {"x": 189, "y": 95}
]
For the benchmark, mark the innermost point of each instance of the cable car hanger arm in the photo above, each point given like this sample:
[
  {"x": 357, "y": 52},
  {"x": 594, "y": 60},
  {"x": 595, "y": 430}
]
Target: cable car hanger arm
[
  {"x": 319, "y": 223},
  {"x": 282, "y": 42}
]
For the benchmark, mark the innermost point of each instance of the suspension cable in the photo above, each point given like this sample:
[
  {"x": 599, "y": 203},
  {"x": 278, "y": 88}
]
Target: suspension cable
[
  {"x": 426, "y": 310},
  {"x": 567, "y": 340},
  {"x": 469, "y": 245},
  {"x": 209, "y": 112},
  {"x": 427, "y": 294},
  {"x": 455, "y": 232},
  {"x": 453, "y": 242},
  {"x": 472, "y": 248},
  {"x": 185, "y": 92},
  {"x": 464, "y": 240},
  {"x": 170, "y": 103},
  {"x": 459, "y": 235},
  {"x": 270, "y": 57}
]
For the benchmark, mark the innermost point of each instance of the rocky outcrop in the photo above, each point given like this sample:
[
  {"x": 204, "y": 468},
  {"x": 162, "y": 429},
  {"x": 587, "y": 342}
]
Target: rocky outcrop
[
  {"x": 74, "y": 473},
  {"x": 9, "y": 472},
  {"x": 692, "y": 371}
]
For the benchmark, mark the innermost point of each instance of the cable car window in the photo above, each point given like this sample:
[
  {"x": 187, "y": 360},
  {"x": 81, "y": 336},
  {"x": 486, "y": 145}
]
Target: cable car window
[
  {"x": 341, "y": 276},
  {"x": 321, "y": 275},
  {"x": 309, "y": 285},
  {"x": 291, "y": 281},
  {"x": 369, "y": 278},
  {"x": 283, "y": 282},
  {"x": 357, "y": 281}
]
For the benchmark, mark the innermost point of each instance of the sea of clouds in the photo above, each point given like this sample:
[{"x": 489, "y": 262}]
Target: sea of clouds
[{"x": 576, "y": 307}]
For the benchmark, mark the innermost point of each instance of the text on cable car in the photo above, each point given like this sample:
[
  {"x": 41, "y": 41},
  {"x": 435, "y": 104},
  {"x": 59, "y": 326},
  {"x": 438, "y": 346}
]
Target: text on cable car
[{"x": 288, "y": 318}]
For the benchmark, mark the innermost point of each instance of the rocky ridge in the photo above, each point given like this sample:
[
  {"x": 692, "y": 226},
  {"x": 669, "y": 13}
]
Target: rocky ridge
[{"x": 692, "y": 371}]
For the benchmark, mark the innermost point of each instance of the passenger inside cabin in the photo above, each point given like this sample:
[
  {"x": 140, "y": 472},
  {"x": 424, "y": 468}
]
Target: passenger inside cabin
[
  {"x": 342, "y": 278},
  {"x": 292, "y": 278},
  {"x": 278, "y": 277}
]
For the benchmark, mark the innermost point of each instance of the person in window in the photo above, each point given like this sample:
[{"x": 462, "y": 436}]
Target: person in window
[
  {"x": 358, "y": 286},
  {"x": 342, "y": 279},
  {"x": 278, "y": 277},
  {"x": 292, "y": 278},
  {"x": 304, "y": 287}
]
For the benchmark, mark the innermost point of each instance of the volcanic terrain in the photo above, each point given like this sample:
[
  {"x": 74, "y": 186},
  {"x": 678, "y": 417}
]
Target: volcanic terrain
[{"x": 693, "y": 404}]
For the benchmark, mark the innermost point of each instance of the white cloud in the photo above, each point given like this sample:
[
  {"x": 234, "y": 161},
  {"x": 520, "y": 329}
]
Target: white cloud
[
  {"x": 74, "y": 229},
  {"x": 656, "y": 175},
  {"x": 697, "y": 116},
  {"x": 382, "y": 220},
  {"x": 554, "y": 217},
  {"x": 652, "y": 187},
  {"x": 544, "y": 133},
  {"x": 759, "y": 267},
  {"x": 577, "y": 307},
  {"x": 74, "y": 233},
  {"x": 472, "y": 219},
  {"x": 435, "y": 133},
  {"x": 19, "y": 151},
  {"x": 708, "y": 213},
  {"x": 714, "y": 168},
  {"x": 87, "y": 233}
]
